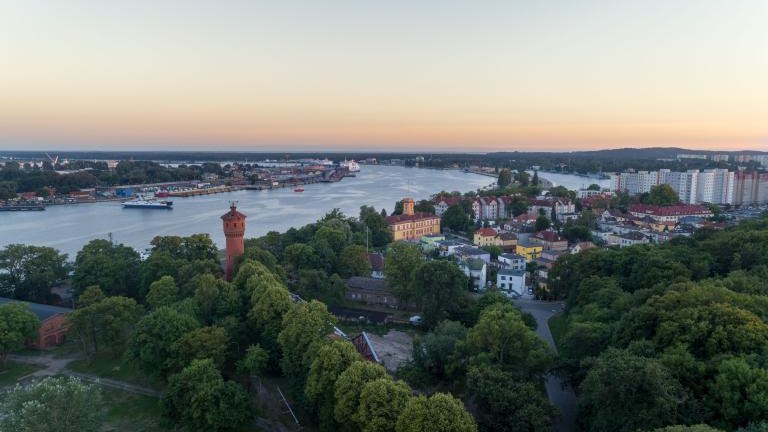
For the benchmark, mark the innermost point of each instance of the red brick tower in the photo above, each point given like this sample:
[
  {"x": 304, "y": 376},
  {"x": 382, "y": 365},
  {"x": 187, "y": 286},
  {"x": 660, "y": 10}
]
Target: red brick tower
[{"x": 234, "y": 230}]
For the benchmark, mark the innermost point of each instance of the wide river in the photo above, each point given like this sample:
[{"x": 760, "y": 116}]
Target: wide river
[{"x": 69, "y": 227}]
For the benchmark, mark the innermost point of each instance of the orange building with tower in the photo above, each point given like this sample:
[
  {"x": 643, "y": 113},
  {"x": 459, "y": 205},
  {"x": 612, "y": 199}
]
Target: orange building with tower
[
  {"x": 234, "y": 231},
  {"x": 412, "y": 225}
]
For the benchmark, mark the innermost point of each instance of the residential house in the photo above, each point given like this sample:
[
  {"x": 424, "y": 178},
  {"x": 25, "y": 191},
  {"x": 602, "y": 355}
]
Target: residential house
[
  {"x": 490, "y": 208},
  {"x": 632, "y": 238},
  {"x": 53, "y": 323},
  {"x": 563, "y": 207},
  {"x": 377, "y": 265},
  {"x": 508, "y": 241},
  {"x": 448, "y": 247},
  {"x": 528, "y": 249},
  {"x": 486, "y": 237},
  {"x": 670, "y": 213},
  {"x": 550, "y": 240},
  {"x": 476, "y": 271},
  {"x": 370, "y": 291},
  {"x": 511, "y": 281},
  {"x": 466, "y": 252},
  {"x": 477, "y": 209},
  {"x": 512, "y": 261},
  {"x": 442, "y": 203},
  {"x": 581, "y": 246}
]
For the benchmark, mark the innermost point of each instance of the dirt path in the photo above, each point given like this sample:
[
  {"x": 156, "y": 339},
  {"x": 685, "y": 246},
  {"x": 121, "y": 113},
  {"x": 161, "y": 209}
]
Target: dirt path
[{"x": 58, "y": 366}]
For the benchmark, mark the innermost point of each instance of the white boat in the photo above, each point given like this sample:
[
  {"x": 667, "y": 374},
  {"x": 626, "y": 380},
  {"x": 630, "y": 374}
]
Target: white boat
[
  {"x": 351, "y": 165},
  {"x": 145, "y": 203}
]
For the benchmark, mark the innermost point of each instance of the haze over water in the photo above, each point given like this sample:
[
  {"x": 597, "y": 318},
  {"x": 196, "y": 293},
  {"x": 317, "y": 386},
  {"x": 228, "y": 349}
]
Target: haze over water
[{"x": 69, "y": 227}]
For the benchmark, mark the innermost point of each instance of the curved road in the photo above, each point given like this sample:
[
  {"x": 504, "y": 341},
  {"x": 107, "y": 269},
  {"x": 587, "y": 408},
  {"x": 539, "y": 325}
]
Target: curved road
[{"x": 559, "y": 393}]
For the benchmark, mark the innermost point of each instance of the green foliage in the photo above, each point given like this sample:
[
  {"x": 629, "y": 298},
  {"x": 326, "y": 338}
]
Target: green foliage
[
  {"x": 456, "y": 218},
  {"x": 106, "y": 322},
  {"x": 662, "y": 195},
  {"x": 739, "y": 393},
  {"x": 378, "y": 230},
  {"x": 255, "y": 361},
  {"x": 331, "y": 360},
  {"x": 505, "y": 178},
  {"x": 112, "y": 267},
  {"x": 304, "y": 327},
  {"x": 542, "y": 223},
  {"x": 162, "y": 292},
  {"x": 151, "y": 342},
  {"x": 400, "y": 264},
  {"x": 693, "y": 428},
  {"x": 441, "y": 290},
  {"x": 381, "y": 403},
  {"x": 199, "y": 399},
  {"x": 502, "y": 338},
  {"x": 440, "y": 413},
  {"x": 29, "y": 272},
  {"x": 508, "y": 404},
  {"x": 17, "y": 325},
  {"x": 624, "y": 392},
  {"x": 353, "y": 261},
  {"x": 61, "y": 404},
  {"x": 202, "y": 343},
  {"x": 433, "y": 352},
  {"x": 315, "y": 284},
  {"x": 347, "y": 392}
]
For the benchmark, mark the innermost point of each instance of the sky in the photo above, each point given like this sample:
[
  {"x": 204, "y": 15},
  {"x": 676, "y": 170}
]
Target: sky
[{"x": 395, "y": 75}]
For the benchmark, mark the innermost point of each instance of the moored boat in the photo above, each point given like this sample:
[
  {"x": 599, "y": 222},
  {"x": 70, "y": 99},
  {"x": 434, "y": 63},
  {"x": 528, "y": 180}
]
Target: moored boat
[{"x": 299, "y": 190}]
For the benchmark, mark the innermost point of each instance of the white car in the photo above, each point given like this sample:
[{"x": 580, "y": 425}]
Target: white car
[{"x": 415, "y": 320}]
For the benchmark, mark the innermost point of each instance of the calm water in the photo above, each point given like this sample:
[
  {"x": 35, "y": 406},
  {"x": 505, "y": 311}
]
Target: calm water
[
  {"x": 571, "y": 181},
  {"x": 69, "y": 227}
]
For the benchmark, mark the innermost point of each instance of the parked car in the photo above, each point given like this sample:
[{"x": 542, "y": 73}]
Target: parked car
[{"x": 415, "y": 320}]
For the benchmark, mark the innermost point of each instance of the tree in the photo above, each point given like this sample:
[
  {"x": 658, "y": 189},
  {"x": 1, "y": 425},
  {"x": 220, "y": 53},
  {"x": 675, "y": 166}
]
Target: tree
[
  {"x": 316, "y": 284},
  {"x": 400, "y": 263},
  {"x": 199, "y": 399},
  {"x": 424, "y": 206},
  {"x": 255, "y": 361},
  {"x": 29, "y": 272},
  {"x": 61, "y": 404},
  {"x": 205, "y": 342},
  {"x": 376, "y": 223},
  {"x": 433, "y": 351},
  {"x": 268, "y": 307},
  {"x": 505, "y": 178},
  {"x": 305, "y": 325},
  {"x": 440, "y": 413},
  {"x": 542, "y": 223},
  {"x": 535, "y": 179},
  {"x": 624, "y": 392},
  {"x": 594, "y": 187},
  {"x": 381, "y": 403},
  {"x": 661, "y": 195},
  {"x": 7, "y": 190},
  {"x": 494, "y": 250},
  {"x": 353, "y": 261},
  {"x": 107, "y": 322},
  {"x": 441, "y": 288},
  {"x": 150, "y": 345},
  {"x": 502, "y": 338},
  {"x": 331, "y": 360},
  {"x": 739, "y": 393},
  {"x": 508, "y": 404},
  {"x": 456, "y": 218},
  {"x": 300, "y": 256},
  {"x": 162, "y": 292},
  {"x": 17, "y": 325},
  {"x": 347, "y": 392},
  {"x": 112, "y": 267}
]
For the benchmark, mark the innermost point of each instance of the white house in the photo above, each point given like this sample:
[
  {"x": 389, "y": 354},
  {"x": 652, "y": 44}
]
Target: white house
[
  {"x": 512, "y": 261},
  {"x": 511, "y": 281},
  {"x": 476, "y": 271}
]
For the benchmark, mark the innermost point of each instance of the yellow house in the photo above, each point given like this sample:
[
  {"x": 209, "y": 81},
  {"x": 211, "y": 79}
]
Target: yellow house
[
  {"x": 529, "y": 250},
  {"x": 486, "y": 237},
  {"x": 411, "y": 225}
]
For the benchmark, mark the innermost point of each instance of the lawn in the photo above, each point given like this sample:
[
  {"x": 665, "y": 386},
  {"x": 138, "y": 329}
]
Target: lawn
[
  {"x": 131, "y": 412},
  {"x": 107, "y": 366},
  {"x": 558, "y": 325},
  {"x": 13, "y": 371}
]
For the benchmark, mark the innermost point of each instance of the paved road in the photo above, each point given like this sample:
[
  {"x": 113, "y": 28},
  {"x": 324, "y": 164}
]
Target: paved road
[{"x": 559, "y": 393}]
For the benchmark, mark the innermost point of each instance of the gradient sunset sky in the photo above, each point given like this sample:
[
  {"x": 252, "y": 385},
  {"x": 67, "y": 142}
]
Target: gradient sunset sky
[{"x": 383, "y": 75}]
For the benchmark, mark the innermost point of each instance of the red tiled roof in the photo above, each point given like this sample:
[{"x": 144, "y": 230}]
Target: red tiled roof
[
  {"x": 486, "y": 232},
  {"x": 418, "y": 216},
  {"x": 449, "y": 201},
  {"x": 549, "y": 236},
  {"x": 675, "y": 210}
]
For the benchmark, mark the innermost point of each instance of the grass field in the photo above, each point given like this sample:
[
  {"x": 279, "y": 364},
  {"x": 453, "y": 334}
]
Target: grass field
[
  {"x": 13, "y": 371},
  {"x": 132, "y": 412},
  {"x": 558, "y": 325},
  {"x": 105, "y": 365}
]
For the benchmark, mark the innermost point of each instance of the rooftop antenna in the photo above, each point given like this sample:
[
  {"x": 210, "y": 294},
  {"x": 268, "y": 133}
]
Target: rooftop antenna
[{"x": 233, "y": 204}]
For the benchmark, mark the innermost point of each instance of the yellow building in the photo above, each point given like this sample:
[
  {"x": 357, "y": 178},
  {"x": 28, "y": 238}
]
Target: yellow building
[
  {"x": 529, "y": 250},
  {"x": 486, "y": 237},
  {"x": 411, "y": 225}
]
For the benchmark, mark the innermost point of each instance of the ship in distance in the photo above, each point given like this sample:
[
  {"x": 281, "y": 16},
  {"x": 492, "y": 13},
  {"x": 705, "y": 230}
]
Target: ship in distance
[
  {"x": 351, "y": 165},
  {"x": 145, "y": 203}
]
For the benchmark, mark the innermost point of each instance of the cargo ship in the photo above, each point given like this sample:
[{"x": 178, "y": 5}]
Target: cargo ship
[{"x": 141, "y": 202}]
